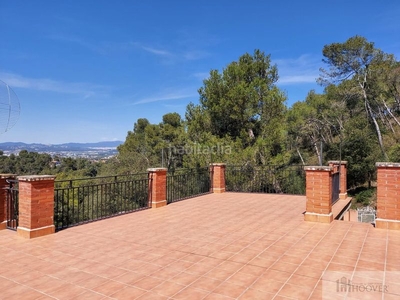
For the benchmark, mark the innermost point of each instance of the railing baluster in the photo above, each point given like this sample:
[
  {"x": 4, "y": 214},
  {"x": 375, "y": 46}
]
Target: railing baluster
[
  {"x": 90, "y": 199},
  {"x": 265, "y": 179},
  {"x": 12, "y": 207},
  {"x": 187, "y": 183}
]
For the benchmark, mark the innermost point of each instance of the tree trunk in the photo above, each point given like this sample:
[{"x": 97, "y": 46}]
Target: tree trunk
[
  {"x": 317, "y": 151},
  {"x": 371, "y": 115},
  {"x": 390, "y": 112},
  {"x": 301, "y": 157},
  {"x": 378, "y": 130}
]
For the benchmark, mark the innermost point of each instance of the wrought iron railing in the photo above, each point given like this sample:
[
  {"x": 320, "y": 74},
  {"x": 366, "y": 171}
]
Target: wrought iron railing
[
  {"x": 187, "y": 183},
  {"x": 266, "y": 179},
  {"x": 12, "y": 207},
  {"x": 80, "y": 201},
  {"x": 335, "y": 187}
]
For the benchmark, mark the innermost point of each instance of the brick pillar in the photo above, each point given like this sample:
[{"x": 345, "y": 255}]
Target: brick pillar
[
  {"x": 218, "y": 177},
  {"x": 318, "y": 194},
  {"x": 36, "y": 206},
  {"x": 343, "y": 177},
  {"x": 158, "y": 187},
  {"x": 388, "y": 196},
  {"x": 3, "y": 198}
]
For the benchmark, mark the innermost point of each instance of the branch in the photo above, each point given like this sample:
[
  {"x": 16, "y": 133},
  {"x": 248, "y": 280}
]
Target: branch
[{"x": 390, "y": 112}]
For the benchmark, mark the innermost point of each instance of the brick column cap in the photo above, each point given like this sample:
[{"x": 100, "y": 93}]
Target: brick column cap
[
  {"x": 36, "y": 178},
  {"x": 318, "y": 168},
  {"x": 387, "y": 164},
  {"x": 6, "y": 176},
  {"x": 342, "y": 162},
  {"x": 218, "y": 164},
  {"x": 157, "y": 170}
]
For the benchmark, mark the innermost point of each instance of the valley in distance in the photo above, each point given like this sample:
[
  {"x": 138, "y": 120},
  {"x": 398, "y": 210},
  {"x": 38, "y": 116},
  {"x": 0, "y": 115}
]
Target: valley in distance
[{"x": 93, "y": 151}]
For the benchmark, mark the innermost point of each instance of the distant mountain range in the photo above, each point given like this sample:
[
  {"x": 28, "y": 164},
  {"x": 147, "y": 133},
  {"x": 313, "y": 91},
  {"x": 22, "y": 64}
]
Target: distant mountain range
[{"x": 14, "y": 146}]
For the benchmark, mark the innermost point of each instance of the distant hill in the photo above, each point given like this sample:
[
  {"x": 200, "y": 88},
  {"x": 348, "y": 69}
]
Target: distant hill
[{"x": 14, "y": 146}]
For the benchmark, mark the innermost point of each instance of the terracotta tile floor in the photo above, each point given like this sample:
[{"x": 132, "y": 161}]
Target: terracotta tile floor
[{"x": 217, "y": 246}]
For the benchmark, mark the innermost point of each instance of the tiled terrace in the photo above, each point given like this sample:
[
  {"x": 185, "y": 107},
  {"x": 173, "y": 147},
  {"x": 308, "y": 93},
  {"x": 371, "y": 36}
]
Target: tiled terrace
[{"x": 217, "y": 246}]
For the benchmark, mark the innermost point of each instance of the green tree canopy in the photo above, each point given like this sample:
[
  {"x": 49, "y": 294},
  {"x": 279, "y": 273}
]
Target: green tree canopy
[
  {"x": 361, "y": 71},
  {"x": 243, "y": 108},
  {"x": 235, "y": 100},
  {"x": 150, "y": 145}
]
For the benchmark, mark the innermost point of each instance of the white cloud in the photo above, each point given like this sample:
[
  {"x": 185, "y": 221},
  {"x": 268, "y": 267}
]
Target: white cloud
[
  {"x": 107, "y": 47},
  {"x": 156, "y": 51},
  {"x": 201, "y": 75},
  {"x": 101, "y": 47},
  {"x": 304, "y": 69},
  {"x": 166, "y": 97},
  {"x": 297, "y": 79},
  {"x": 50, "y": 85},
  {"x": 178, "y": 55},
  {"x": 152, "y": 50},
  {"x": 194, "y": 54}
]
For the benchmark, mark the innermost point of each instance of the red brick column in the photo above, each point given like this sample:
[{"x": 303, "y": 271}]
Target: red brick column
[
  {"x": 218, "y": 177},
  {"x": 157, "y": 187},
  {"x": 343, "y": 177},
  {"x": 318, "y": 194},
  {"x": 36, "y": 206},
  {"x": 3, "y": 198},
  {"x": 388, "y": 196}
]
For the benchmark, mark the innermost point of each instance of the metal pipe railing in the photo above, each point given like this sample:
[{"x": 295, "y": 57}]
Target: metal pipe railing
[
  {"x": 84, "y": 200},
  {"x": 187, "y": 183},
  {"x": 266, "y": 179}
]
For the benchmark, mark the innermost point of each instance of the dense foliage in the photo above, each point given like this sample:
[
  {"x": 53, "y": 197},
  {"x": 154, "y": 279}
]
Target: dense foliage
[{"x": 242, "y": 119}]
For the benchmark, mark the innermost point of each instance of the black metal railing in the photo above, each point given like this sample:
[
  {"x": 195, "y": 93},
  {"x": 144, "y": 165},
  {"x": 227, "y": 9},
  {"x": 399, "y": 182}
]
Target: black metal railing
[
  {"x": 12, "y": 207},
  {"x": 187, "y": 183},
  {"x": 266, "y": 179},
  {"x": 80, "y": 201},
  {"x": 335, "y": 187}
]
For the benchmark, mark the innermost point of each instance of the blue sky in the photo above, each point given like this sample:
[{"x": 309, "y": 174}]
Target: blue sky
[{"x": 85, "y": 71}]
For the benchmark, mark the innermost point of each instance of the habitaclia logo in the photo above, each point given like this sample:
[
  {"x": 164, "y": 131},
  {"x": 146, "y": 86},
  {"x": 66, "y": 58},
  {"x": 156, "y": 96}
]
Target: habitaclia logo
[
  {"x": 201, "y": 149},
  {"x": 346, "y": 285}
]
